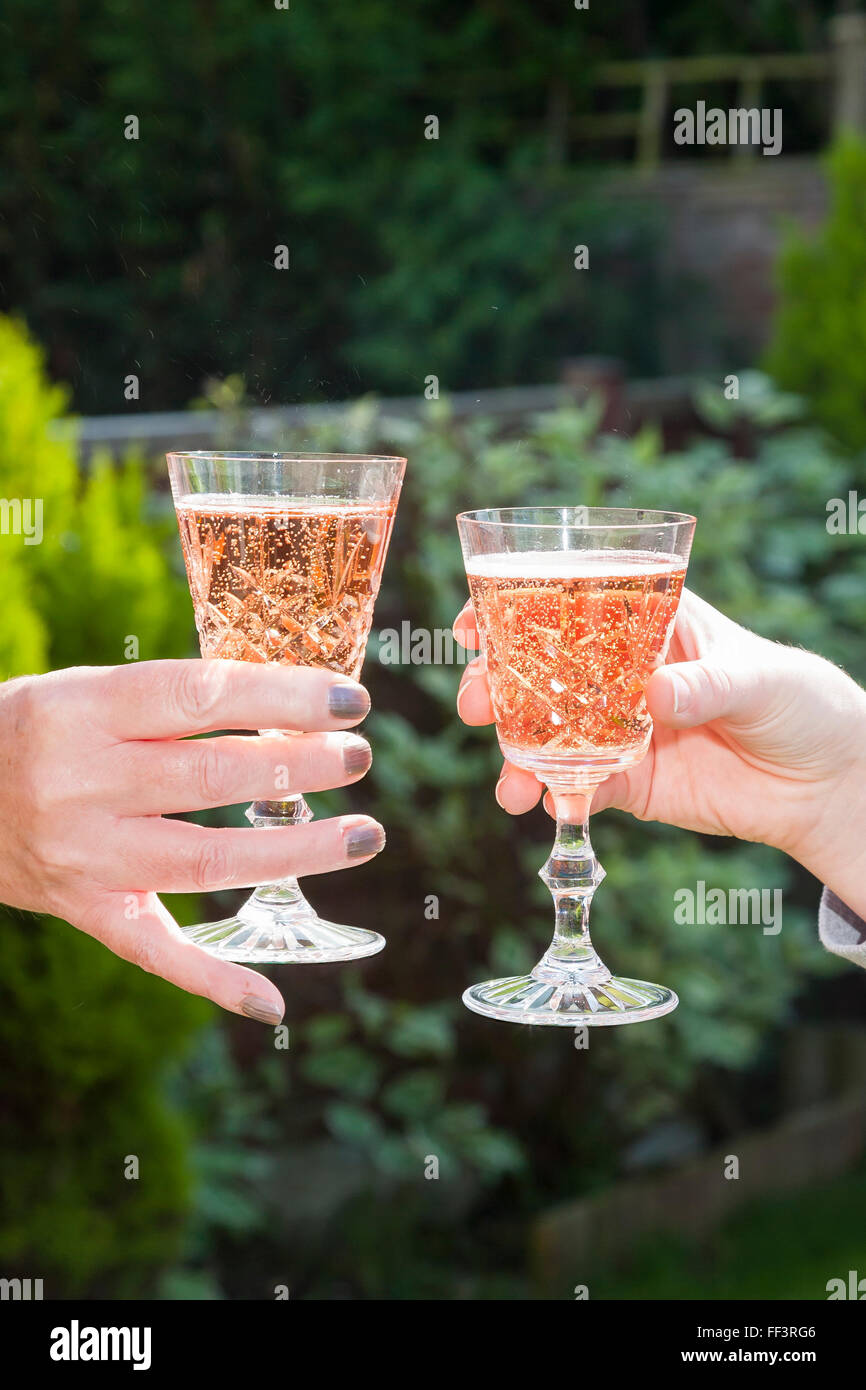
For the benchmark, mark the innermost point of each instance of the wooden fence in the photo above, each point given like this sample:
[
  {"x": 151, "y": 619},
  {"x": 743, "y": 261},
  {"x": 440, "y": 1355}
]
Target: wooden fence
[
  {"x": 667, "y": 401},
  {"x": 840, "y": 70}
]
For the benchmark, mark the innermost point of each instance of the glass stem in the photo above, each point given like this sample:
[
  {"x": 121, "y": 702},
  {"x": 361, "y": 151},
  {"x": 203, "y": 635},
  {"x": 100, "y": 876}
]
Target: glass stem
[
  {"x": 292, "y": 810},
  {"x": 572, "y": 873}
]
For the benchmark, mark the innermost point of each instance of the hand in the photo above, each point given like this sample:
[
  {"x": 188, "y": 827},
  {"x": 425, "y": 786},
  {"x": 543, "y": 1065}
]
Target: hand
[
  {"x": 95, "y": 757},
  {"x": 751, "y": 739}
]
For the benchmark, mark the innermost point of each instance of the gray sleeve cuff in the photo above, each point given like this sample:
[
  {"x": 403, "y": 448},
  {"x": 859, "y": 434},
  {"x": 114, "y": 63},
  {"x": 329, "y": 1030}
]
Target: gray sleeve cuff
[{"x": 841, "y": 930}]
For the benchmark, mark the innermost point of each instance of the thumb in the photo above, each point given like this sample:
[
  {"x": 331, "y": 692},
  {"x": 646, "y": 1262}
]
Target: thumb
[{"x": 689, "y": 693}]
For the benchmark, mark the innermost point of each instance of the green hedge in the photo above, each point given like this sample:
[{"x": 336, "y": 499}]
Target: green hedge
[
  {"x": 819, "y": 341},
  {"x": 304, "y": 127},
  {"x": 85, "y": 1039}
]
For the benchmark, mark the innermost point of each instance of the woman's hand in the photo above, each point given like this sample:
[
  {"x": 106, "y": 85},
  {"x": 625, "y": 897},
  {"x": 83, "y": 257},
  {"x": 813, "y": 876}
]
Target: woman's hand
[
  {"x": 751, "y": 739},
  {"x": 93, "y": 758}
]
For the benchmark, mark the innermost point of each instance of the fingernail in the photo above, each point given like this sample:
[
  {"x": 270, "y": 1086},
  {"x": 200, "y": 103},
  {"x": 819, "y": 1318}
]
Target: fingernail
[
  {"x": 682, "y": 693},
  {"x": 364, "y": 840},
  {"x": 348, "y": 701},
  {"x": 357, "y": 754},
  {"x": 262, "y": 1010},
  {"x": 496, "y": 793}
]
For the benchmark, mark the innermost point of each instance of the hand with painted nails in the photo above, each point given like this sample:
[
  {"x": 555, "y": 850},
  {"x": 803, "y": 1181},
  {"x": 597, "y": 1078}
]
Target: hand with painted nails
[
  {"x": 96, "y": 757},
  {"x": 751, "y": 739}
]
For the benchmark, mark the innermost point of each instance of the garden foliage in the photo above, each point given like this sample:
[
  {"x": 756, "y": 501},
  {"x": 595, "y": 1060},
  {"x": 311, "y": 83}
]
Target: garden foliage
[
  {"x": 304, "y": 127},
  {"x": 386, "y": 1068},
  {"x": 85, "y": 1039},
  {"x": 309, "y": 1163},
  {"x": 819, "y": 343}
]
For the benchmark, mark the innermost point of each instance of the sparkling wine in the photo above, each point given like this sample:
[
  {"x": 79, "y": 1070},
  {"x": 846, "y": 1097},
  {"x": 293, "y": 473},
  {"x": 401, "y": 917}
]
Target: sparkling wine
[
  {"x": 572, "y": 638},
  {"x": 282, "y": 582}
]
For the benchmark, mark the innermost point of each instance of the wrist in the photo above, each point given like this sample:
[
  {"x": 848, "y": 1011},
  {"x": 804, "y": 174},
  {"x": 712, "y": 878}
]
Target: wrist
[{"x": 832, "y": 845}]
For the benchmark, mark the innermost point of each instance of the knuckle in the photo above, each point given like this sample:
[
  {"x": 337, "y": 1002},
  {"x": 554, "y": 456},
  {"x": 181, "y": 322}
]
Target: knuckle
[
  {"x": 59, "y": 856},
  {"x": 41, "y": 805},
  {"x": 42, "y": 809},
  {"x": 96, "y": 916},
  {"x": 211, "y": 774},
  {"x": 213, "y": 866},
  {"x": 33, "y": 724},
  {"x": 719, "y": 683},
  {"x": 26, "y": 696},
  {"x": 146, "y": 953},
  {"x": 197, "y": 691}
]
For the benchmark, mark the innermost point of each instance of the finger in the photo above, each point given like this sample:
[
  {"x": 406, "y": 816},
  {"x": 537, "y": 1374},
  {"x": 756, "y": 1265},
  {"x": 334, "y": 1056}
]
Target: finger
[
  {"x": 689, "y": 693},
  {"x": 614, "y": 791},
  {"x": 170, "y": 699},
  {"x": 163, "y": 856},
  {"x": 139, "y": 928},
  {"x": 517, "y": 791},
  {"x": 466, "y": 629},
  {"x": 168, "y": 776},
  {"x": 473, "y": 696}
]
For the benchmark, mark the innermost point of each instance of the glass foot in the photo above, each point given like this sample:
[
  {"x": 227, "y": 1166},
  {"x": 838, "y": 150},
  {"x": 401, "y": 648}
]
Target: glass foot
[
  {"x": 569, "y": 1002},
  {"x": 274, "y": 928}
]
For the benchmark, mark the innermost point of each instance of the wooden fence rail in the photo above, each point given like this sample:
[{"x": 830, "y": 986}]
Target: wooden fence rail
[
  {"x": 628, "y": 405},
  {"x": 842, "y": 68}
]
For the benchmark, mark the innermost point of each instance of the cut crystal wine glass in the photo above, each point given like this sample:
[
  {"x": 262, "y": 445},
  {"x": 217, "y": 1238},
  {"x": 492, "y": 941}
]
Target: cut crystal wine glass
[
  {"x": 284, "y": 555},
  {"x": 575, "y": 608}
]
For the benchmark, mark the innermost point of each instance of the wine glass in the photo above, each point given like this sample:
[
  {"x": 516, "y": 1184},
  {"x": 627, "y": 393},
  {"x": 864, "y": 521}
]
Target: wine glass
[
  {"x": 575, "y": 608},
  {"x": 284, "y": 555}
]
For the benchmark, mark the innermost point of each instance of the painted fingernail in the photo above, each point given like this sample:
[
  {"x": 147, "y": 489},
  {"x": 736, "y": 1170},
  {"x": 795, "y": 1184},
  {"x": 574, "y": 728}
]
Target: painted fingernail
[
  {"x": 364, "y": 840},
  {"x": 348, "y": 701},
  {"x": 357, "y": 755},
  {"x": 682, "y": 693},
  {"x": 262, "y": 1010}
]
